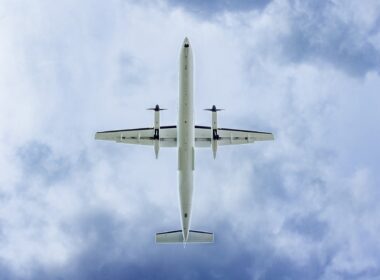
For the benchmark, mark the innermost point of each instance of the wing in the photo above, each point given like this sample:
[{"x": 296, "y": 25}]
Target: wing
[
  {"x": 141, "y": 136},
  {"x": 202, "y": 135},
  {"x": 228, "y": 136}
]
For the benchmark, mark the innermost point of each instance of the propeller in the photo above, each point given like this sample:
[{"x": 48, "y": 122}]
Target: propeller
[
  {"x": 213, "y": 109},
  {"x": 157, "y": 108}
]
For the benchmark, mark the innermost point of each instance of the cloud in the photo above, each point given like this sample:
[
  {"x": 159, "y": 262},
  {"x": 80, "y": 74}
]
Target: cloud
[
  {"x": 304, "y": 206},
  {"x": 213, "y": 7},
  {"x": 335, "y": 32}
]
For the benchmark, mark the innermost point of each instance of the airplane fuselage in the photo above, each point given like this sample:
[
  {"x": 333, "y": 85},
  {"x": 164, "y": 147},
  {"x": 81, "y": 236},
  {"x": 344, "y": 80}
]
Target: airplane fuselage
[{"x": 185, "y": 136}]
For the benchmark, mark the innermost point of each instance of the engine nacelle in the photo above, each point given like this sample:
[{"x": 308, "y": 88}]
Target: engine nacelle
[
  {"x": 214, "y": 128},
  {"x": 156, "y": 135}
]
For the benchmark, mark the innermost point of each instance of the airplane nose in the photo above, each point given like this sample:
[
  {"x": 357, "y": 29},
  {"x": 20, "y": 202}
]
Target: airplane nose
[{"x": 186, "y": 43}]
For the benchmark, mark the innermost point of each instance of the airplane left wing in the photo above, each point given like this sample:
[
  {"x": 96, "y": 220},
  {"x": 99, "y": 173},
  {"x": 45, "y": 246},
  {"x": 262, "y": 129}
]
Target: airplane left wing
[
  {"x": 142, "y": 136},
  {"x": 227, "y": 136}
]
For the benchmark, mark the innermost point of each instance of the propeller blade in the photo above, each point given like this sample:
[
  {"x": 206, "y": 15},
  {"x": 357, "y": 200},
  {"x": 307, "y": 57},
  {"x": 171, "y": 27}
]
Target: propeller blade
[
  {"x": 213, "y": 109},
  {"x": 157, "y": 108}
]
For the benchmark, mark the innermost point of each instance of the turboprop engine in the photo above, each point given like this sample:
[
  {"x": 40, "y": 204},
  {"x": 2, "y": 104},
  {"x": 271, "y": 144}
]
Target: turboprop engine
[
  {"x": 214, "y": 129},
  {"x": 156, "y": 136}
]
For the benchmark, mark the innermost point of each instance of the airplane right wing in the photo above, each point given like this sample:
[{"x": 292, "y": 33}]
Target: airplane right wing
[{"x": 141, "y": 136}]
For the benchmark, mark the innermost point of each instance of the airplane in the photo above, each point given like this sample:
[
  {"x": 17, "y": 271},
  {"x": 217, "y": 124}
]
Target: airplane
[{"x": 185, "y": 137}]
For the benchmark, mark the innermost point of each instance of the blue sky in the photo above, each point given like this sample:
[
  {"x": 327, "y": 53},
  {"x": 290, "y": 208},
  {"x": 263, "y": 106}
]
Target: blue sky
[{"x": 302, "y": 207}]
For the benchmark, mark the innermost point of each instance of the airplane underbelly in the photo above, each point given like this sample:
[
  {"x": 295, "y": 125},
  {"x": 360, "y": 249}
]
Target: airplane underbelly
[{"x": 185, "y": 138}]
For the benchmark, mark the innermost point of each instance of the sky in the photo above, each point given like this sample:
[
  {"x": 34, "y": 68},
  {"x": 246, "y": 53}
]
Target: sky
[{"x": 302, "y": 207}]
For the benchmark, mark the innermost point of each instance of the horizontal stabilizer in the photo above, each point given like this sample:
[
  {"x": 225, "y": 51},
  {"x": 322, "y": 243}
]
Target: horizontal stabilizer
[{"x": 177, "y": 237}]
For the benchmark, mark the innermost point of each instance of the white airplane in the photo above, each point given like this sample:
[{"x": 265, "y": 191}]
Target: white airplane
[{"x": 185, "y": 136}]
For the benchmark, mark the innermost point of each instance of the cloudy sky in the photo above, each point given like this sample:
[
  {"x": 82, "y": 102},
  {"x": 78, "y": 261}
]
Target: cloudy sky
[{"x": 303, "y": 207}]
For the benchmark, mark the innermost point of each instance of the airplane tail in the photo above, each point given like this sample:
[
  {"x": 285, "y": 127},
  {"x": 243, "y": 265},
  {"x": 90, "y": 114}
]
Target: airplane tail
[{"x": 177, "y": 237}]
